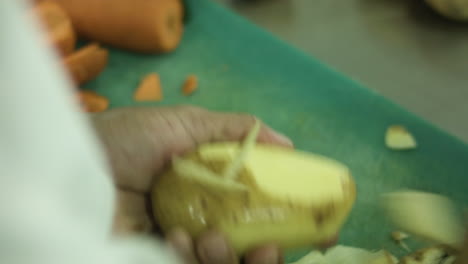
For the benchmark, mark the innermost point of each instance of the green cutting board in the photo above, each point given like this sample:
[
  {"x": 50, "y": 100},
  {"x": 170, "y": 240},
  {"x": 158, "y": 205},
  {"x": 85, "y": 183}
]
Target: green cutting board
[{"x": 244, "y": 69}]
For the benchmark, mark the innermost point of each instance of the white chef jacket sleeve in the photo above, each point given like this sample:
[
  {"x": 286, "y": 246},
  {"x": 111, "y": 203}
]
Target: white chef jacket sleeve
[{"x": 56, "y": 193}]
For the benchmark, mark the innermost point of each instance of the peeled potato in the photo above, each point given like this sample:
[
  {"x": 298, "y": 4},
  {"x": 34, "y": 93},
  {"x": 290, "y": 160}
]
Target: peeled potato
[{"x": 288, "y": 197}]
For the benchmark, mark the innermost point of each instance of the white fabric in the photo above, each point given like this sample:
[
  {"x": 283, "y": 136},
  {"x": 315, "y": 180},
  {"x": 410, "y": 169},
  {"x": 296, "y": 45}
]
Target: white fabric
[{"x": 56, "y": 195}]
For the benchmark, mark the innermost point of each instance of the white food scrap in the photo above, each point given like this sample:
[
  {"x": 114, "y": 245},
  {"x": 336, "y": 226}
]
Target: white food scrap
[
  {"x": 348, "y": 255},
  {"x": 425, "y": 215},
  {"x": 398, "y": 237},
  {"x": 314, "y": 257},
  {"x": 432, "y": 255},
  {"x": 233, "y": 169},
  {"x": 399, "y": 138},
  {"x": 195, "y": 171}
]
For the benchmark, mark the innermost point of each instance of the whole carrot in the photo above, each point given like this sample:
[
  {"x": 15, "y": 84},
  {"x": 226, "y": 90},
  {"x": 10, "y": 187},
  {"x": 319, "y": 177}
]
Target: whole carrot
[{"x": 150, "y": 26}]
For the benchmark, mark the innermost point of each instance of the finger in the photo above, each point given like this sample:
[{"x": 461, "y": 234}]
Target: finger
[
  {"x": 212, "y": 126},
  {"x": 212, "y": 248},
  {"x": 269, "y": 254},
  {"x": 192, "y": 126},
  {"x": 463, "y": 257},
  {"x": 237, "y": 126},
  {"x": 183, "y": 245},
  {"x": 131, "y": 214}
]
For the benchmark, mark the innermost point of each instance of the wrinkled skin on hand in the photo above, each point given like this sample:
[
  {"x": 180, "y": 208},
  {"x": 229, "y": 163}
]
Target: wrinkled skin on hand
[{"x": 140, "y": 143}]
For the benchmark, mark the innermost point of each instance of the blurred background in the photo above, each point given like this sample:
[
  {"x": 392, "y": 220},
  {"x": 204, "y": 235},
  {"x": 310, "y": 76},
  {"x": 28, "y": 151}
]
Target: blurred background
[{"x": 399, "y": 48}]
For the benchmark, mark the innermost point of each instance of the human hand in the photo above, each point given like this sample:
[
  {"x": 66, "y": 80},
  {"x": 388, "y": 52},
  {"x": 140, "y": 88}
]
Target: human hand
[
  {"x": 140, "y": 142},
  {"x": 463, "y": 257}
]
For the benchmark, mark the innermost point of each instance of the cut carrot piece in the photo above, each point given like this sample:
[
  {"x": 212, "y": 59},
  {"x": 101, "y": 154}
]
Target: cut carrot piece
[
  {"x": 86, "y": 63},
  {"x": 93, "y": 102},
  {"x": 58, "y": 26},
  {"x": 149, "y": 89},
  {"x": 190, "y": 84}
]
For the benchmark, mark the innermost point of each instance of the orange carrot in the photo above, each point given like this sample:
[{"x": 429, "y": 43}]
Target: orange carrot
[
  {"x": 58, "y": 26},
  {"x": 86, "y": 63},
  {"x": 93, "y": 102},
  {"x": 139, "y": 25},
  {"x": 149, "y": 89},
  {"x": 190, "y": 84}
]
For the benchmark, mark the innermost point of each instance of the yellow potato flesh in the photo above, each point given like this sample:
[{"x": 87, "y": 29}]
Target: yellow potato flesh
[
  {"x": 293, "y": 198},
  {"x": 288, "y": 174}
]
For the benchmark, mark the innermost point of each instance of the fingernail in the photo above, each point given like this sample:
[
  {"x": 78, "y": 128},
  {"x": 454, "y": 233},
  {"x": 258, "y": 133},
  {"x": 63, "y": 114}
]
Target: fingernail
[
  {"x": 280, "y": 138},
  {"x": 214, "y": 250}
]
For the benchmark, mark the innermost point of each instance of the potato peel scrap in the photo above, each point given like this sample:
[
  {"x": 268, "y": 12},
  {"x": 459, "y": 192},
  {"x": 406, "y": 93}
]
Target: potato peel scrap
[
  {"x": 432, "y": 255},
  {"x": 429, "y": 216},
  {"x": 227, "y": 181},
  {"x": 232, "y": 171},
  {"x": 399, "y": 138},
  {"x": 348, "y": 255},
  {"x": 194, "y": 171},
  {"x": 314, "y": 257},
  {"x": 398, "y": 237}
]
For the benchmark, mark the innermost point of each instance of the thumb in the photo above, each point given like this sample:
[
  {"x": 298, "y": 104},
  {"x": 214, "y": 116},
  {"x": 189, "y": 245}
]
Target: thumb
[{"x": 208, "y": 126}]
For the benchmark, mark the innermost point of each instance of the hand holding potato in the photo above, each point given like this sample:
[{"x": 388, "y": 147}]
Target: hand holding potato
[
  {"x": 463, "y": 258},
  {"x": 141, "y": 141}
]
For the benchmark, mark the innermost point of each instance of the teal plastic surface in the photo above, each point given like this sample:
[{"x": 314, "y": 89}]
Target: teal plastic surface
[{"x": 241, "y": 68}]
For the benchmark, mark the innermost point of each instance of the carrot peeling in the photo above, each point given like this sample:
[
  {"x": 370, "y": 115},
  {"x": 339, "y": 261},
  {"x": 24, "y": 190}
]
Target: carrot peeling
[
  {"x": 93, "y": 102},
  {"x": 149, "y": 89},
  {"x": 190, "y": 85}
]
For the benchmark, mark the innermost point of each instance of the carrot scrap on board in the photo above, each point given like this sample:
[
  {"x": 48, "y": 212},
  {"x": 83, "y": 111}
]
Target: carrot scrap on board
[
  {"x": 92, "y": 102},
  {"x": 149, "y": 89},
  {"x": 86, "y": 63},
  {"x": 190, "y": 84},
  {"x": 58, "y": 26}
]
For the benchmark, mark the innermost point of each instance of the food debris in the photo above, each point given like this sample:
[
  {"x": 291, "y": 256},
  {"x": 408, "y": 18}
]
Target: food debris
[
  {"x": 398, "y": 237},
  {"x": 86, "y": 63},
  {"x": 227, "y": 180},
  {"x": 398, "y": 137},
  {"x": 190, "y": 85},
  {"x": 385, "y": 258},
  {"x": 92, "y": 102},
  {"x": 428, "y": 216},
  {"x": 348, "y": 255},
  {"x": 149, "y": 89},
  {"x": 232, "y": 171},
  {"x": 202, "y": 175},
  {"x": 431, "y": 255}
]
